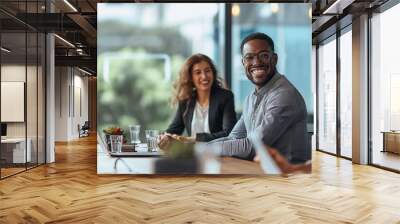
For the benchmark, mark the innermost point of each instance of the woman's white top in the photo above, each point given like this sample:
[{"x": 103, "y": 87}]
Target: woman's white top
[{"x": 200, "y": 120}]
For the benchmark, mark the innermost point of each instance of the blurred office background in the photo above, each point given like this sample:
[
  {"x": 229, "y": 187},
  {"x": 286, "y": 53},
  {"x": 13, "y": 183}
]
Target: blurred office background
[{"x": 141, "y": 48}]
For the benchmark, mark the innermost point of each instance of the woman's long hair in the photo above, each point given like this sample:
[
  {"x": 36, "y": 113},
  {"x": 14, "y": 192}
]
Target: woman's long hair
[{"x": 184, "y": 87}]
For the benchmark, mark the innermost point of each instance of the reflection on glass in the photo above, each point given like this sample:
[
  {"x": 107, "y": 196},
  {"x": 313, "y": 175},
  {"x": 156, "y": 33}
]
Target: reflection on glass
[
  {"x": 385, "y": 85},
  {"x": 327, "y": 96},
  {"x": 41, "y": 99},
  {"x": 31, "y": 101},
  {"x": 346, "y": 94},
  {"x": 22, "y": 69}
]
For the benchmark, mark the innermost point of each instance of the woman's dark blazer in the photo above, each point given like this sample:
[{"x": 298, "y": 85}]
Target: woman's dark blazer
[{"x": 221, "y": 116}]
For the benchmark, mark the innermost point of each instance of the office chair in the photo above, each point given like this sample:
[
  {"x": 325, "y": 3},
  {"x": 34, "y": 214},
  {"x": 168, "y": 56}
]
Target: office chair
[{"x": 84, "y": 130}]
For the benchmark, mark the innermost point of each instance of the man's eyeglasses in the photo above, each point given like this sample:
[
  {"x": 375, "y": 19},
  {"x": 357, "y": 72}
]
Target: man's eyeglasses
[{"x": 263, "y": 56}]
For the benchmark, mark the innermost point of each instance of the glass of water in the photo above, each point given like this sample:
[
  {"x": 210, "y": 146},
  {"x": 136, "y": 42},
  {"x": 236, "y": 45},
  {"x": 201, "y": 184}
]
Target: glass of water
[
  {"x": 116, "y": 143},
  {"x": 152, "y": 140},
  {"x": 135, "y": 132}
]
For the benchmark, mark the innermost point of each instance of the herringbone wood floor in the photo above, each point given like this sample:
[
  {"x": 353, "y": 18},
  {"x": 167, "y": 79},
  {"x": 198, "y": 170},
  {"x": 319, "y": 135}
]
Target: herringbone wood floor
[{"x": 70, "y": 191}]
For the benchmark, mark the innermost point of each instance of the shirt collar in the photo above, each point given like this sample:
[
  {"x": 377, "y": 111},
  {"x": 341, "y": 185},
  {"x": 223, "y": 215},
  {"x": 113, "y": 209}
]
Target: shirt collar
[{"x": 267, "y": 86}]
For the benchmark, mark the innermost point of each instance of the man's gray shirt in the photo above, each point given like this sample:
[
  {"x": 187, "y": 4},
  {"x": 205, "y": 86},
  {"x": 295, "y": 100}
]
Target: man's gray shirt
[{"x": 278, "y": 111}]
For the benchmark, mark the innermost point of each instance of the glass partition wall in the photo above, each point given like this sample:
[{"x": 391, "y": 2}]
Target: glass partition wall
[
  {"x": 22, "y": 94},
  {"x": 13, "y": 86},
  {"x": 346, "y": 93},
  {"x": 327, "y": 95},
  {"x": 385, "y": 90},
  {"x": 334, "y": 94}
]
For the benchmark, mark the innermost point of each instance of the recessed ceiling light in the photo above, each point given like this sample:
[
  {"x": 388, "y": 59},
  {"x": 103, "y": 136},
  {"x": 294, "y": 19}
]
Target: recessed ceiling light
[
  {"x": 235, "y": 10},
  {"x": 84, "y": 71},
  {"x": 5, "y": 50},
  {"x": 64, "y": 40},
  {"x": 274, "y": 7},
  {"x": 337, "y": 7},
  {"x": 70, "y": 5}
]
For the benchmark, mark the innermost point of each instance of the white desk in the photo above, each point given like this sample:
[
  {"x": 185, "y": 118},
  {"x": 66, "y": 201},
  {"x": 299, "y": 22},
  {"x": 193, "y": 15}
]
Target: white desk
[
  {"x": 107, "y": 164},
  {"x": 145, "y": 165},
  {"x": 18, "y": 150}
]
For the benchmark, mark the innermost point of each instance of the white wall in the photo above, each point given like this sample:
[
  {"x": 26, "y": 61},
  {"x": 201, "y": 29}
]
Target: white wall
[
  {"x": 50, "y": 95},
  {"x": 33, "y": 126},
  {"x": 14, "y": 73},
  {"x": 61, "y": 103},
  {"x": 80, "y": 115},
  {"x": 71, "y": 93}
]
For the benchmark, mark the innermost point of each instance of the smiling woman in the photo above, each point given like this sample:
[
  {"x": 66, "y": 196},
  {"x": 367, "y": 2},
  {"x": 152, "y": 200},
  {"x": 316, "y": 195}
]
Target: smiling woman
[{"x": 205, "y": 110}]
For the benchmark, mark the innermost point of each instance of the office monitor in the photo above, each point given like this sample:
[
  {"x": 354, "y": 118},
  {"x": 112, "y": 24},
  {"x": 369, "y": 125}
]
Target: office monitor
[{"x": 3, "y": 129}]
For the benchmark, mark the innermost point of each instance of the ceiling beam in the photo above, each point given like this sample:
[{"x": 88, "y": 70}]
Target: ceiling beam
[
  {"x": 75, "y": 61},
  {"x": 320, "y": 22},
  {"x": 337, "y": 7},
  {"x": 83, "y": 23}
]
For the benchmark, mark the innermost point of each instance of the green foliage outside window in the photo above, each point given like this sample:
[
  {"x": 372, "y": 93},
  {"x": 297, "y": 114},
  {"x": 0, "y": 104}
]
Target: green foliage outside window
[{"x": 137, "y": 90}]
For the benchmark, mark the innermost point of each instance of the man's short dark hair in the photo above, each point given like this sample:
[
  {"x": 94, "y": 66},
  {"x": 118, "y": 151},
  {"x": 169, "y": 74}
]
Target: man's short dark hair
[{"x": 257, "y": 36}]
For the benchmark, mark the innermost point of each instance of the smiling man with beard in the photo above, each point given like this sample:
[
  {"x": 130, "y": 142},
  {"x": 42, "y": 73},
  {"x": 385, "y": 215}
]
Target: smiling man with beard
[{"x": 275, "y": 107}]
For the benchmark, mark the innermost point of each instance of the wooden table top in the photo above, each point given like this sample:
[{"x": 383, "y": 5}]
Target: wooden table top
[{"x": 232, "y": 165}]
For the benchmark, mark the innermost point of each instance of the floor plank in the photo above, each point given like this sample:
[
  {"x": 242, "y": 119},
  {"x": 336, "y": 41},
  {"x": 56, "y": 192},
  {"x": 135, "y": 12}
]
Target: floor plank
[
  {"x": 70, "y": 191},
  {"x": 386, "y": 159}
]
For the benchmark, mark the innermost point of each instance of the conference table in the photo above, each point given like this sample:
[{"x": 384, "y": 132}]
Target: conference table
[{"x": 107, "y": 164}]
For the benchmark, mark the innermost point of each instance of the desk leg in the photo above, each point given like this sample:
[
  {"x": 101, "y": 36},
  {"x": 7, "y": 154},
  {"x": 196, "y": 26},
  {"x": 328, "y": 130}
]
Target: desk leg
[
  {"x": 384, "y": 142},
  {"x": 120, "y": 159}
]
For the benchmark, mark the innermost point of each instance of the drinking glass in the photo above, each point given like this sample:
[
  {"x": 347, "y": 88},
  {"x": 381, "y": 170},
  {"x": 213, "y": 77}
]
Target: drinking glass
[
  {"x": 116, "y": 143},
  {"x": 135, "y": 131},
  {"x": 152, "y": 140},
  {"x": 209, "y": 157}
]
